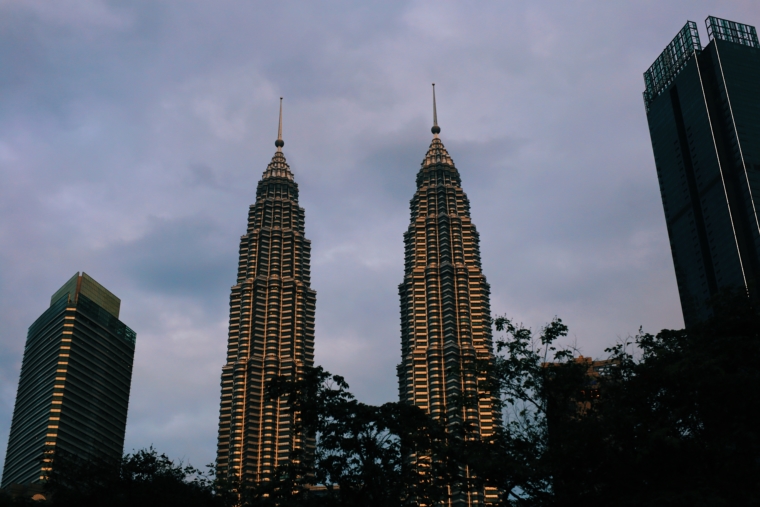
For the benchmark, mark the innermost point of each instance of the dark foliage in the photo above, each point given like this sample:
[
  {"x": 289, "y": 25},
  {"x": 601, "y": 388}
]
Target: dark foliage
[
  {"x": 357, "y": 456},
  {"x": 537, "y": 379},
  {"x": 7, "y": 500},
  {"x": 676, "y": 424},
  {"x": 672, "y": 421},
  {"x": 680, "y": 425},
  {"x": 361, "y": 450},
  {"x": 143, "y": 479}
]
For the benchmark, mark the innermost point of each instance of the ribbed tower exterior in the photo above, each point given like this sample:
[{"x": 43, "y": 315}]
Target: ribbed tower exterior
[
  {"x": 445, "y": 310},
  {"x": 271, "y": 332}
]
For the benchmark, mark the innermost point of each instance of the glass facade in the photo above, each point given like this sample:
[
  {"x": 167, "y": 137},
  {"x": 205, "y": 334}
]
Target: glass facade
[
  {"x": 446, "y": 314},
  {"x": 704, "y": 124},
  {"x": 271, "y": 332},
  {"x": 73, "y": 390}
]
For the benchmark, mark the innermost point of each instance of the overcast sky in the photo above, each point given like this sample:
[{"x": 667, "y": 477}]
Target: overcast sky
[{"x": 132, "y": 136}]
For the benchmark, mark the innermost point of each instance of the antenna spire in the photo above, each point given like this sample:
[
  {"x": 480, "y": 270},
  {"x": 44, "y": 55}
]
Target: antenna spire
[
  {"x": 436, "y": 129},
  {"x": 279, "y": 142}
]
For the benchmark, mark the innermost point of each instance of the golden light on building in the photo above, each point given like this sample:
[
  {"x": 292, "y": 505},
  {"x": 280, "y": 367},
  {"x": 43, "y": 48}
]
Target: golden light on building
[
  {"x": 445, "y": 310},
  {"x": 271, "y": 331},
  {"x": 73, "y": 390}
]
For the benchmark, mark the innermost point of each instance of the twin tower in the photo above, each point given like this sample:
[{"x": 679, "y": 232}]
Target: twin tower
[{"x": 445, "y": 317}]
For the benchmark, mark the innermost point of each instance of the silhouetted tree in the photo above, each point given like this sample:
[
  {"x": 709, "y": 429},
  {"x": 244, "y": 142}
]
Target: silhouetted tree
[
  {"x": 680, "y": 425},
  {"x": 6, "y": 500},
  {"x": 143, "y": 479},
  {"x": 675, "y": 424},
  {"x": 361, "y": 452}
]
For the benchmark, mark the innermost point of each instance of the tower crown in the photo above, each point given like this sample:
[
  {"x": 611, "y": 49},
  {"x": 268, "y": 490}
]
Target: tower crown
[
  {"x": 437, "y": 153},
  {"x": 278, "y": 167}
]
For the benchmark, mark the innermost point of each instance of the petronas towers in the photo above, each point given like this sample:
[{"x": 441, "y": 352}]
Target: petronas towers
[
  {"x": 271, "y": 331},
  {"x": 445, "y": 309},
  {"x": 445, "y": 320}
]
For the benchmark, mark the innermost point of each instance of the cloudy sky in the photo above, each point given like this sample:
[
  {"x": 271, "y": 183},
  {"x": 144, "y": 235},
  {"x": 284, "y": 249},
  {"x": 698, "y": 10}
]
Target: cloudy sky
[{"x": 132, "y": 136}]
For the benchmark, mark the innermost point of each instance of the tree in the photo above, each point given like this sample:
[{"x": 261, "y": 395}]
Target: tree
[
  {"x": 675, "y": 424},
  {"x": 143, "y": 479},
  {"x": 681, "y": 422},
  {"x": 361, "y": 451},
  {"x": 672, "y": 422},
  {"x": 539, "y": 384},
  {"x": 7, "y": 500}
]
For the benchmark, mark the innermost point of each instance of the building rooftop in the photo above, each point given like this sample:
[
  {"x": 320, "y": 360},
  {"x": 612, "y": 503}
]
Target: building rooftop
[
  {"x": 85, "y": 284},
  {"x": 685, "y": 44}
]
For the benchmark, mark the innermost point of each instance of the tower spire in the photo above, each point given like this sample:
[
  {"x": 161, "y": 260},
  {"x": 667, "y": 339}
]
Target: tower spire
[
  {"x": 279, "y": 142},
  {"x": 278, "y": 167},
  {"x": 436, "y": 129}
]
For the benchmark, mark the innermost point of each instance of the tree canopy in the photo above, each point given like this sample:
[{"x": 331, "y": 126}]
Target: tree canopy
[{"x": 671, "y": 421}]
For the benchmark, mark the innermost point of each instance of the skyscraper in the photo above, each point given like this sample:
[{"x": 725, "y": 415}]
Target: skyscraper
[
  {"x": 73, "y": 391},
  {"x": 703, "y": 109},
  {"x": 445, "y": 309},
  {"x": 271, "y": 331}
]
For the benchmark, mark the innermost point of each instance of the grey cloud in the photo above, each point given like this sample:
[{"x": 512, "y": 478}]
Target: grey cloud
[
  {"x": 202, "y": 174},
  {"x": 185, "y": 256}
]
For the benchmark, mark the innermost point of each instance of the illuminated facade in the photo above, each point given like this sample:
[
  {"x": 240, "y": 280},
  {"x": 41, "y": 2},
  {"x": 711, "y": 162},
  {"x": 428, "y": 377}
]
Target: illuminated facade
[
  {"x": 73, "y": 391},
  {"x": 445, "y": 310},
  {"x": 271, "y": 331},
  {"x": 703, "y": 109}
]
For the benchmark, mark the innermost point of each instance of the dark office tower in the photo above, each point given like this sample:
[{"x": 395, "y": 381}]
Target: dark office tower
[
  {"x": 445, "y": 309},
  {"x": 271, "y": 332},
  {"x": 73, "y": 392},
  {"x": 703, "y": 109}
]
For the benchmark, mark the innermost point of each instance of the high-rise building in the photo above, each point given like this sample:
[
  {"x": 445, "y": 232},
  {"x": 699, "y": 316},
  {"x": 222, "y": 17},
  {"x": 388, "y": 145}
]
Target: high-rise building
[
  {"x": 703, "y": 109},
  {"x": 73, "y": 392},
  {"x": 445, "y": 309},
  {"x": 271, "y": 331}
]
